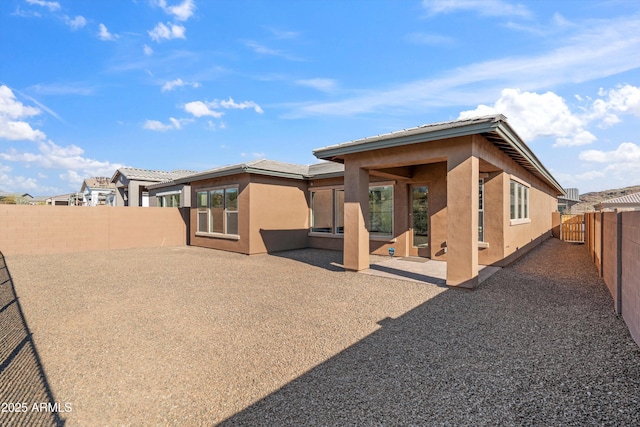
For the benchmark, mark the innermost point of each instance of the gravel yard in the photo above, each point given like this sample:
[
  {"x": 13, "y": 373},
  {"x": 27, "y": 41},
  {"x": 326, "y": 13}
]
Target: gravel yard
[{"x": 192, "y": 336}]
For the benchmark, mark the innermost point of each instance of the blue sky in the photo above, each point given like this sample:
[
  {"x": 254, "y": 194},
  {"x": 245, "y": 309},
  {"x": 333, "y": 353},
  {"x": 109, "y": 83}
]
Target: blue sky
[{"x": 89, "y": 86}]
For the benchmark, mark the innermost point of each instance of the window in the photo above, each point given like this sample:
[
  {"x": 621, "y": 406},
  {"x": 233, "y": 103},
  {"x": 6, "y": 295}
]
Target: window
[
  {"x": 327, "y": 210},
  {"x": 322, "y": 211},
  {"x": 381, "y": 210},
  {"x": 519, "y": 200},
  {"x": 218, "y": 211},
  {"x": 481, "y": 211},
  {"x": 169, "y": 201}
]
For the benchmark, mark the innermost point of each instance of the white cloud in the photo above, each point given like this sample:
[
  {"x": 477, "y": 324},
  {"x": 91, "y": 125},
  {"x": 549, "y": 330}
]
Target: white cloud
[
  {"x": 533, "y": 115},
  {"x": 52, "y": 156},
  {"x": 624, "y": 99},
  {"x": 174, "y": 124},
  {"x": 593, "y": 50},
  {"x": 230, "y": 103},
  {"x": 104, "y": 34},
  {"x": 210, "y": 108},
  {"x": 147, "y": 50},
  {"x": 620, "y": 165},
  {"x": 11, "y": 113},
  {"x": 202, "y": 109},
  {"x": 168, "y": 86},
  {"x": 51, "y": 5},
  {"x": 181, "y": 12},
  {"x": 482, "y": 7},
  {"x": 626, "y": 152},
  {"x": 75, "y": 23},
  {"x": 164, "y": 32},
  {"x": 323, "y": 85}
]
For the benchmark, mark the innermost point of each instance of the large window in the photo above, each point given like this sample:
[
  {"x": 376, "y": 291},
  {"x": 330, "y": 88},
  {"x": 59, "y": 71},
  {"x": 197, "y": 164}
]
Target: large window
[
  {"x": 327, "y": 210},
  {"x": 381, "y": 210},
  {"x": 518, "y": 200},
  {"x": 218, "y": 211},
  {"x": 169, "y": 200}
]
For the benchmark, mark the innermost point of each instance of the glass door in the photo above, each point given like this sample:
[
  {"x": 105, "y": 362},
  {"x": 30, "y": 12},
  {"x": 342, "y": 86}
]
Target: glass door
[{"x": 419, "y": 220}]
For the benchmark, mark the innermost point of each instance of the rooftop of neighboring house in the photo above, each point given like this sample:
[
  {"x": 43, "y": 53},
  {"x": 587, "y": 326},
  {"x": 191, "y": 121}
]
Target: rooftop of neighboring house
[
  {"x": 137, "y": 174},
  {"x": 629, "y": 200},
  {"x": 98, "y": 182}
]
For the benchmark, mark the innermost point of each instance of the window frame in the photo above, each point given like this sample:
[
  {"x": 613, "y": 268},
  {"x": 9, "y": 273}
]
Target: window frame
[
  {"x": 204, "y": 213},
  {"x": 519, "y": 202},
  {"x": 167, "y": 200},
  {"x": 336, "y": 232},
  {"x": 481, "y": 195}
]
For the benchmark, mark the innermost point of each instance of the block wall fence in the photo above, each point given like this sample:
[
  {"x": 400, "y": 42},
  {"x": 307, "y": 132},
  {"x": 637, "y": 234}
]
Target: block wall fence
[
  {"x": 58, "y": 229},
  {"x": 613, "y": 241}
]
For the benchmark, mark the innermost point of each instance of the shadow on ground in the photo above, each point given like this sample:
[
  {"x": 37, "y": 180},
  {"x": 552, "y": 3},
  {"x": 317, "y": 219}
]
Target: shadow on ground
[
  {"x": 330, "y": 260},
  {"x": 536, "y": 344},
  {"x": 23, "y": 382}
]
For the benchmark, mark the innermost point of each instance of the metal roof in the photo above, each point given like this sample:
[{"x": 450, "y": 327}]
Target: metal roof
[
  {"x": 266, "y": 167},
  {"x": 149, "y": 175},
  {"x": 627, "y": 200},
  {"x": 494, "y": 128}
]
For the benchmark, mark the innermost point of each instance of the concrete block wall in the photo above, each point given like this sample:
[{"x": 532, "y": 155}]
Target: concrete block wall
[
  {"x": 615, "y": 248},
  {"x": 630, "y": 277},
  {"x": 57, "y": 229},
  {"x": 610, "y": 256}
]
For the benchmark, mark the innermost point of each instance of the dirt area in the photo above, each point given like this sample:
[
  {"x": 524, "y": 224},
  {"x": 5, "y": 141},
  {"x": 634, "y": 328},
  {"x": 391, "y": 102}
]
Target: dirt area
[{"x": 192, "y": 336}]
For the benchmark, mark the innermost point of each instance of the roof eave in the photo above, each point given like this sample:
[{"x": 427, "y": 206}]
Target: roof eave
[
  {"x": 508, "y": 134},
  {"x": 236, "y": 171},
  {"x": 332, "y": 153}
]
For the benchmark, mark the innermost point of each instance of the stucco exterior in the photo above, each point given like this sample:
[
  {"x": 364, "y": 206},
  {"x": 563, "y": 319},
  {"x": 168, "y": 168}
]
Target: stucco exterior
[{"x": 447, "y": 168}]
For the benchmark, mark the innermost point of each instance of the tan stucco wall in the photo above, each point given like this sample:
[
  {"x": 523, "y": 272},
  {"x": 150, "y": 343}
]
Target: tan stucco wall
[
  {"x": 57, "y": 229},
  {"x": 279, "y": 214},
  {"x": 273, "y": 214}
]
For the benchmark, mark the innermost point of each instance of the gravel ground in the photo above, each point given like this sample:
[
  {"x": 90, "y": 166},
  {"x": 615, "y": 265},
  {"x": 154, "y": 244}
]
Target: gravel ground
[{"x": 191, "y": 336}]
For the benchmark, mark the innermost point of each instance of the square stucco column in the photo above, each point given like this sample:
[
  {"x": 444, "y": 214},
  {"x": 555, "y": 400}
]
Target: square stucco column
[
  {"x": 462, "y": 222},
  {"x": 356, "y": 211}
]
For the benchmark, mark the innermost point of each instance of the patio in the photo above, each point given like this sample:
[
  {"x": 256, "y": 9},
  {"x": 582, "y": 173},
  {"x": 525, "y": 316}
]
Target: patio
[
  {"x": 192, "y": 336},
  {"x": 419, "y": 270}
]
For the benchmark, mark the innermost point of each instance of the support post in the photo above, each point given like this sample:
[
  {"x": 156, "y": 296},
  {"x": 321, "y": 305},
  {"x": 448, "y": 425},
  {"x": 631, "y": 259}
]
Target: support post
[
  {"x": 356, "y": 214},
  {"x": 462, "y": 221}
]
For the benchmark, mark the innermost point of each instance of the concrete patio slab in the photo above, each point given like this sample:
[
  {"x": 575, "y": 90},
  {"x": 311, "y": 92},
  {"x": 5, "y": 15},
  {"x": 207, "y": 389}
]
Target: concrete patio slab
[{"x": 421, "y": 270}]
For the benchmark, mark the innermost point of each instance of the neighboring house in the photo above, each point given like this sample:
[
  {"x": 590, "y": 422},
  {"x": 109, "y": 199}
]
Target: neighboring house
[
  {"x": 15, "y": 198},
  {"x": 97, "y": 191},
  {"x": 132, "y": 184},
  {"x": 61, "y": 200},
  {"x": 630, "y": 202},
  {"x": 565, "y": 203},
  {"x": 168, "y": 194},
  {"x": 468, "y": 191}
]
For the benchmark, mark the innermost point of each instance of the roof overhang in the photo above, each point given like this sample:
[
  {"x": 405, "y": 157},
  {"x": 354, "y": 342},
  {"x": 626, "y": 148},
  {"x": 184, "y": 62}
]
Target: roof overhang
[{"x": 494, "y": 128}]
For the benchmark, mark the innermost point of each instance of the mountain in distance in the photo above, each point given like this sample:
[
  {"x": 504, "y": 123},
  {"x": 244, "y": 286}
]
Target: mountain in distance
[{"x": 589, "y": 200}]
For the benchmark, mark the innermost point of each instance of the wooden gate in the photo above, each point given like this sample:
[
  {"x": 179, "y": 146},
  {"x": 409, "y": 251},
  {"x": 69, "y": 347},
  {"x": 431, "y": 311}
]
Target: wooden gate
[{"x": 572, "y": 228}]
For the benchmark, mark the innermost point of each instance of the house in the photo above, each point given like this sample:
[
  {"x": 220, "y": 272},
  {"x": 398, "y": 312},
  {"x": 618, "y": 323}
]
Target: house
[
  {"x": 629, "y": 202},
  {"x": 568, "y": 201},
  {"x": 15, "y": 198},
  {"x": 468, "y": 192},
  {"x": 168, "y": 194},
  {"x": 132, "y": 184},
  {"x": 60, "y": 200},
  {"x": 98, "y": 191}
]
